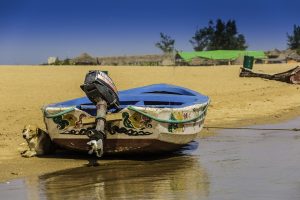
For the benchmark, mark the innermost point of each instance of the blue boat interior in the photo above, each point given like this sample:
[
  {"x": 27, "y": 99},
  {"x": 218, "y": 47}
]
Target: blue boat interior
[{"x": 155, "y": 96}]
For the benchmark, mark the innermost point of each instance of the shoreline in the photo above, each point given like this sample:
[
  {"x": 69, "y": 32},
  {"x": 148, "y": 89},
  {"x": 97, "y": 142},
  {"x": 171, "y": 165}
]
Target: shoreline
[
  {"x": 266, "y": 120},
  {"x": 235, "y": 102},
  {"x": 285, "y": 115},
  {"x": 68, "y": 160}
]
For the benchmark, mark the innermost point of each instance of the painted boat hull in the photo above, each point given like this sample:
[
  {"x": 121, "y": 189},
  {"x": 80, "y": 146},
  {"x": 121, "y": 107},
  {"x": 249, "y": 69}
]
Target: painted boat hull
[
  {"x": 122, "y": 146},
  {"x": 131, "y": 132}
]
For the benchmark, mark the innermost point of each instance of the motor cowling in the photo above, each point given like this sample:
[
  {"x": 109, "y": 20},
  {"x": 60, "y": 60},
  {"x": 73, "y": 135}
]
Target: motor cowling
[{"x": 99, "y": 85}]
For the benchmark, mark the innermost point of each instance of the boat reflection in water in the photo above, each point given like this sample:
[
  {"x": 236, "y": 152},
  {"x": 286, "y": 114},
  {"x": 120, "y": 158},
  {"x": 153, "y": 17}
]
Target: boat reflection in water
[{"x": 179, "y": 177}]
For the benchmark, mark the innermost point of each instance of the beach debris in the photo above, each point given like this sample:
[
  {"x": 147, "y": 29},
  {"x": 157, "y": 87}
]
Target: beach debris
[{"x": 291, "y": 76}]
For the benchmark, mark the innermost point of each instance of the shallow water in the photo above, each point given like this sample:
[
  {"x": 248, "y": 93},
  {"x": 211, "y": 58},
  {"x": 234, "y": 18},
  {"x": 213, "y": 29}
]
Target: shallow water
[{"x": 239, "y": 164}]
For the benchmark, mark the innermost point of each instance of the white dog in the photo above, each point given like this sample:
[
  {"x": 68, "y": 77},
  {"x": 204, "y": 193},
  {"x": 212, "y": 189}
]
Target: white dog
[{"x": 38, "y": 141}]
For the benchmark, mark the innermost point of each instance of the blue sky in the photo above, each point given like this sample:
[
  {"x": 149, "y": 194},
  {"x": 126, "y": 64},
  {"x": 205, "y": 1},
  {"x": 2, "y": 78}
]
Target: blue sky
[{"x": 32, "y": 30}]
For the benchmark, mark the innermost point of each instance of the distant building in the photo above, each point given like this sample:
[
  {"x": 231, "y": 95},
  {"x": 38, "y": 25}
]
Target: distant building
[
  {"x": 52, "y": 60},
  {"x": 216, "y": 57},
  {"x": 147, "y": 60},
  {"x": 285, "y": 56}
]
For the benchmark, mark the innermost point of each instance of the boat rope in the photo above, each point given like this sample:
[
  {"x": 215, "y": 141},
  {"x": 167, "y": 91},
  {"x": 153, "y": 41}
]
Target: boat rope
[
  {"x": 255, "y": 129},
  {"x": 170, "y": 121},
  {"x": 47, "y": 115}
]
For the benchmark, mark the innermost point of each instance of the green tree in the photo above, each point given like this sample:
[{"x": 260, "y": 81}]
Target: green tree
[
  {"x": 293, "y": 41},
  {"x": 166, "y": 43},
  {"x": 202, "y": 37},
  {"x": 218, "y": 36},
  {"x": 66, "y": 61},
  {"x": 57, "y": 62}
]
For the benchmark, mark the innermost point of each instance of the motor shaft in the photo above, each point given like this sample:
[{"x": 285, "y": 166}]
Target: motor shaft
[{"x": 100, "y": 89}]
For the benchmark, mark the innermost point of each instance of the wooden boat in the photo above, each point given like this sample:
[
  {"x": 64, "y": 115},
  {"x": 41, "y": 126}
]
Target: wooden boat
[
  {"x": 150, "y": 119},
  {"x": 291, "y": 76}
]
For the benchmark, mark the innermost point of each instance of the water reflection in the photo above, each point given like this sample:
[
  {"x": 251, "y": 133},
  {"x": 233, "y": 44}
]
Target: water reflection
[
  {"x": 242, "y": 164},
  {"x": 179, "y": 177}
]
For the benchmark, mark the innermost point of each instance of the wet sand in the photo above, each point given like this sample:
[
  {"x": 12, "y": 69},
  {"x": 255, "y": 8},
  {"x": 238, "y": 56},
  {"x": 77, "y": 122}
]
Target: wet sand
[
  {"x": 239, "y": 164},
  {"x": 234, "y": 102}
]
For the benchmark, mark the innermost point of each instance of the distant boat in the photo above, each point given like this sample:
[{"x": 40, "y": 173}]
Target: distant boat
[
  {"x": 291, "y": 76},
  {"x": 150, "y": 119}
]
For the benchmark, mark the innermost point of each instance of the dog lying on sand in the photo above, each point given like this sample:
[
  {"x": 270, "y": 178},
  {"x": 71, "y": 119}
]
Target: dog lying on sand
[{"x": 38, "y": 141}]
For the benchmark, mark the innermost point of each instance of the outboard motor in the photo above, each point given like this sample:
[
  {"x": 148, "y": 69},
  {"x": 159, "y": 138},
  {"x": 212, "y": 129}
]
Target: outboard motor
[{"x": 101, "y": 90}]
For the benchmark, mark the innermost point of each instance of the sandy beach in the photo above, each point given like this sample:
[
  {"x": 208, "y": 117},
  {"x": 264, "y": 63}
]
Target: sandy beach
[{"x": 235, "y": 102}]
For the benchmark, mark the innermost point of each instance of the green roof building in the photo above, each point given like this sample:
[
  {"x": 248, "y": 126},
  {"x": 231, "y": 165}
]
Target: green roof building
[{"x": 218, "y": 55}]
